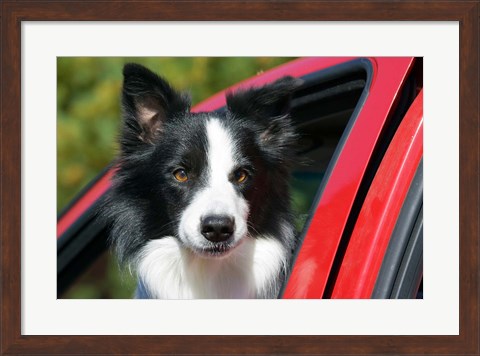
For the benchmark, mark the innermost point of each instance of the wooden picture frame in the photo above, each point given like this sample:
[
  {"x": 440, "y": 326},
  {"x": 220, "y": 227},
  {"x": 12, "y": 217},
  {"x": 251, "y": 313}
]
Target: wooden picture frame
[{"x": 12, "y": 15}]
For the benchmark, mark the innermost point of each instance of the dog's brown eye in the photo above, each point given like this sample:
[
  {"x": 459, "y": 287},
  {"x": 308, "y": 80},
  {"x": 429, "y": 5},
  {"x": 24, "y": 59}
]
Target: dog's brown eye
[
  {"x": 180, "y": 175},
  {"x": 240, "y": 175}
]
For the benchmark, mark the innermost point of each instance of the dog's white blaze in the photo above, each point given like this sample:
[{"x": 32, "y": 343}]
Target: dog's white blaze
[
  {"x": 171, "y": 271},
  {"x": 220, "y": 154},
  {"x": 219, "y": 197}
]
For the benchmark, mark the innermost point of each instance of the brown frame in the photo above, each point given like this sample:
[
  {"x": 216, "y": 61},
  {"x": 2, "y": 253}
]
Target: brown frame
[{"x": 14, "y": 12}]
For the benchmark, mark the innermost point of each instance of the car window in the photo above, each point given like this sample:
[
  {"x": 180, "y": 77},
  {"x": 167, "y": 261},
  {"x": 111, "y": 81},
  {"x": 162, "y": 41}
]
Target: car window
[{"x": 321, "y": 111}]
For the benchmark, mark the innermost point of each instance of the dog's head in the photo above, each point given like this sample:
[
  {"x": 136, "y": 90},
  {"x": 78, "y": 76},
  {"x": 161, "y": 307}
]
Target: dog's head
[{"x": 209, "y": 179}]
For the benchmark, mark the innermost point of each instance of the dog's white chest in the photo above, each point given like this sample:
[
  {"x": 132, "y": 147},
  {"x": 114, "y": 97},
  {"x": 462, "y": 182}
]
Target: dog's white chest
[{"x": 252, "y": 270}]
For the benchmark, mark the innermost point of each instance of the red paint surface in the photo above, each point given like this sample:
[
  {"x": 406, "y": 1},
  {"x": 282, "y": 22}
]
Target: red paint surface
[
  {"x": 315, "y": 259},
  {"x": 371, "y": 235}
]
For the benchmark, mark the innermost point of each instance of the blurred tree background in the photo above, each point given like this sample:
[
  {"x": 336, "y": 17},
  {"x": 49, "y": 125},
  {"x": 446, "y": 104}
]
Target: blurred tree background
[{"x": 88, "y": 120}]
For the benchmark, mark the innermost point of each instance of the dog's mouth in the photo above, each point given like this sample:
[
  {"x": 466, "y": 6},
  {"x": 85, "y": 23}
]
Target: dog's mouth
[{"x": 216, "y": 250}]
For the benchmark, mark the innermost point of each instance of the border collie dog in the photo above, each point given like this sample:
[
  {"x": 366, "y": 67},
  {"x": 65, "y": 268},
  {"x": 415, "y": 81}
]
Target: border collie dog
[{"x": 200, "y": 204}]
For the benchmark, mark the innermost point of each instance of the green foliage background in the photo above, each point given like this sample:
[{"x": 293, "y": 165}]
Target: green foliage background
[{"x": 88, "y": 120}]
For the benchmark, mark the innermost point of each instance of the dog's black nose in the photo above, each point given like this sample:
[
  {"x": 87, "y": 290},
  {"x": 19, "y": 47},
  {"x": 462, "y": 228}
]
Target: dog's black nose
[{"x": 217, "y": 228}]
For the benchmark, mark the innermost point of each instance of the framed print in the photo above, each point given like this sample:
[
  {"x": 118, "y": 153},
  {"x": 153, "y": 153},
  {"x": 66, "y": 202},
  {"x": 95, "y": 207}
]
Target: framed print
[{"x": 37, "y": 36}]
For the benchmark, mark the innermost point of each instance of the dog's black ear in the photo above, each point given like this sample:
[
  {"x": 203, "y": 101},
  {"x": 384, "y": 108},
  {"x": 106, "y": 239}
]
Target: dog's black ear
[
  {"x": 148, "y": 101},
  {"x": 269, "y": 101},
  {"x": 269, "y": 107}
]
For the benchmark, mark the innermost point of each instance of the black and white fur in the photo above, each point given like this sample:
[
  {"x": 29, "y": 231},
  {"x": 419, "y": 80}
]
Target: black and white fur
[{"x": 215, "y": 235}]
